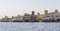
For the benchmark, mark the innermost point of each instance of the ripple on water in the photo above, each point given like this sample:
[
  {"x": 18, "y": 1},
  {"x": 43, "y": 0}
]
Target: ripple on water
[{"x": 20, "y": 26}]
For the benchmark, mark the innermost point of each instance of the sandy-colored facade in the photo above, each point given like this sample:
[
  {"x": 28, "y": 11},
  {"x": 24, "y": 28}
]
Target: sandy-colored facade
[
  {"x": 32, "y": 17},
  {"x": 46, "y": 15}
]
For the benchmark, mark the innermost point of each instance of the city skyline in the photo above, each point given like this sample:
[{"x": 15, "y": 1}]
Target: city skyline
[{"x": 15, "y": 7}]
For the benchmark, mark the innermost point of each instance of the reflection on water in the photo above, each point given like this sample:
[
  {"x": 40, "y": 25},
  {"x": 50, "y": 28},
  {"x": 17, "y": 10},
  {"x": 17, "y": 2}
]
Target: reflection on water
[{"x": 20, "y": 26}]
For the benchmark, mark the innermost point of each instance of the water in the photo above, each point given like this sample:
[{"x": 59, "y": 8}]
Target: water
[{"x": 20, "y": 26}]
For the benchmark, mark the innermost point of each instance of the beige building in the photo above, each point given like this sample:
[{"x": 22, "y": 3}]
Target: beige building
[
  {"x": 32, "y": 17},
  {"x": 56, "y": 16},
  {"x": 5, "y": 19},
  {"x": 29, "y": 17},
  {"x": 46, "y": 16},
  {"x": 17, "y": 18}
]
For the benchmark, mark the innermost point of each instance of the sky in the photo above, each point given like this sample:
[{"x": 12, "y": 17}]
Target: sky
[{"x": 15, "y": 7}]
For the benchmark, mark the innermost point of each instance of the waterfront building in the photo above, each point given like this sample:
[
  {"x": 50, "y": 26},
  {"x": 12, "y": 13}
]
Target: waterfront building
[
  {"x": 34, "y": 18},
  {"x": 10, "y": 19},
  {"x": 50, "y": 15},
  {"x": 46, "y": 16},
  {"x": 18, "y": 18},
  {"x": 5, "y": 19},
  {"x": 56, "y": 16},
  {"x": 27, "y": 17}
]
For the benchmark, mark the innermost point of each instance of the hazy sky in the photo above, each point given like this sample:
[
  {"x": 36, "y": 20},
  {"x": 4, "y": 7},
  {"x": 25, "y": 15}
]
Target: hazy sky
[{"x": 15, "y": 7}]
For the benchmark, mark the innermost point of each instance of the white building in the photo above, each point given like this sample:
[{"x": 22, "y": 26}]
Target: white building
[
  {"x": 17, "y": 18},
  {"x": 27, "y": 17},
  {"x": 56, "y": 16},
  {"x": 48, "y": 18},
  {"x": 5, "y": 19}
]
